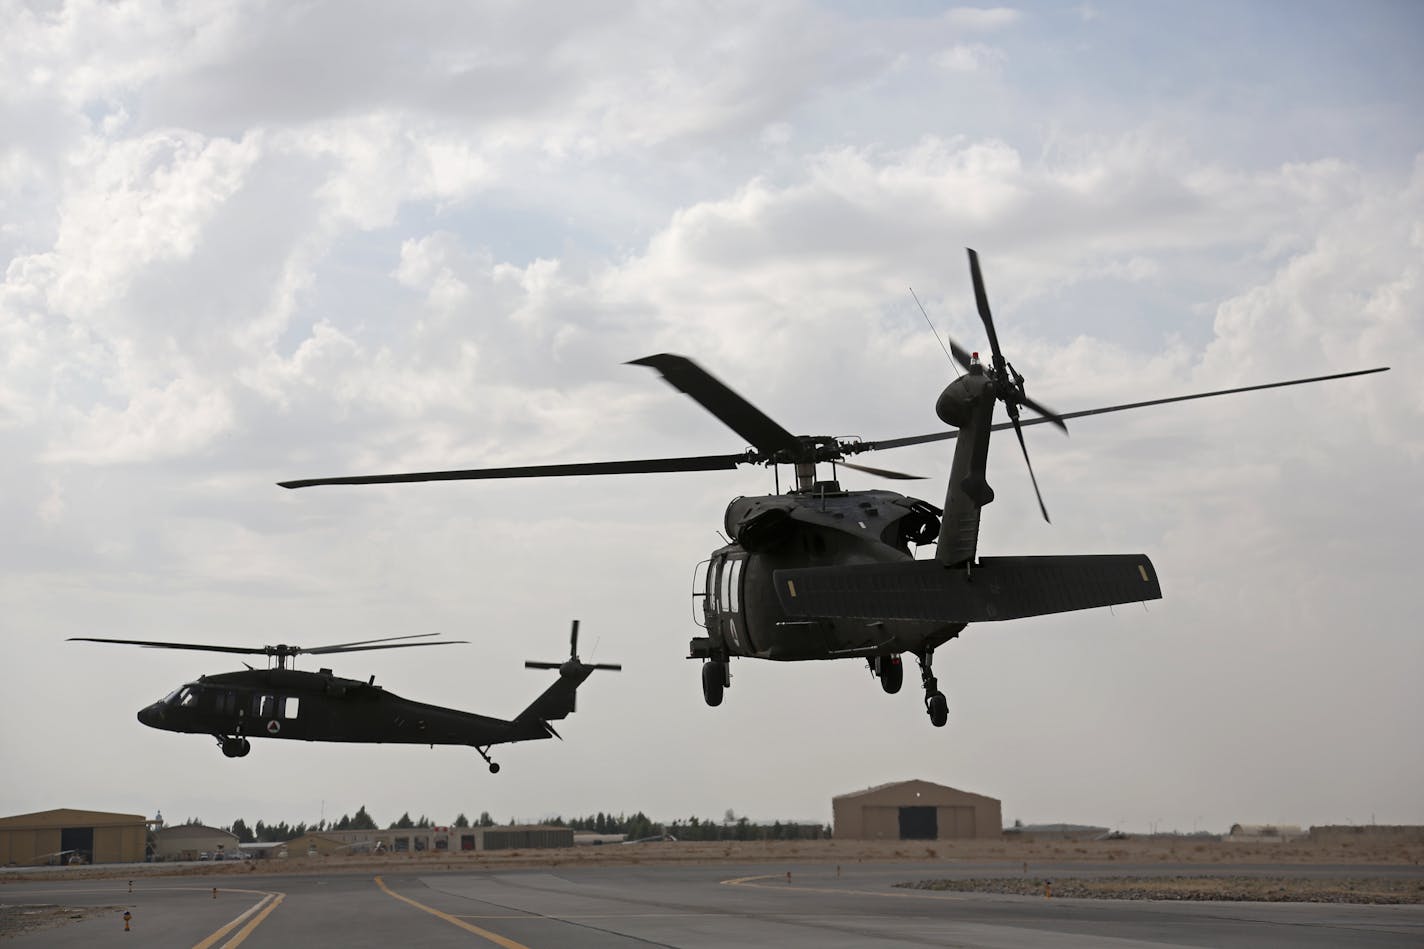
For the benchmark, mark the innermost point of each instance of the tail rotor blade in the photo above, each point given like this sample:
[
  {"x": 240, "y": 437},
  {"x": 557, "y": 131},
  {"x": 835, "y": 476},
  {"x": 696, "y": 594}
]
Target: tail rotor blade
[
  {"x": 981, "y": 298},
  {"x": 1018, "y": 430},
  {"x": 1047, "y": 413}
]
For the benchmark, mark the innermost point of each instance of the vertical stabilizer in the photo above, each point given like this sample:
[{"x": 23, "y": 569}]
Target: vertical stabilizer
[
  {"x": 967, "y": 403},
  {"x": 557, "y": 701}
]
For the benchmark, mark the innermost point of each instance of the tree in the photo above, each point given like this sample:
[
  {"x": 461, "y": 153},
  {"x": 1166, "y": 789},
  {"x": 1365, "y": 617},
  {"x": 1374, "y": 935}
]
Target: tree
[
  {"x": 462, "y": 820},
  {"x": 242, "y": 832},
  {"x": 423, "y": 823},
  {"x": 362, "y": 820},
  {"x": 485, "y": 819},
  {"x": 405, "y": 823}
]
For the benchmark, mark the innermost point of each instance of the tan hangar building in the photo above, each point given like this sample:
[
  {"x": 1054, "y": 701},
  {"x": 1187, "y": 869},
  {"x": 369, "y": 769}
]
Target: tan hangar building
[
  {"x": 915, "y": 810},
  {"x": 66, "y": 835}
]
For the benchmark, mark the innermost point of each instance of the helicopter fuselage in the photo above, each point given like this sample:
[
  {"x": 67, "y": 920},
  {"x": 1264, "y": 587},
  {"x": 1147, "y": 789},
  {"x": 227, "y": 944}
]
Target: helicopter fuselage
[
  {"x": 825, "y": 526},
  {"x": 319, "y": 706}
]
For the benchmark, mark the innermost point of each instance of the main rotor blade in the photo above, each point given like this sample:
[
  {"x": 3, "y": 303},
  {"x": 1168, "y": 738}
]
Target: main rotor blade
[
  {"x": 543, "y": 665},
  {"x": 731, "y": 409},
  {"x": 327, "y": 650},
  {"x": 151, "y": 644},
  {"x": 641, "y": 466},
  {"x": 945, "y": 436},
  {"x": 1018, "y": 430},
  {"x": 383, "y": 639},
  {"x": 981, "y": 298},
  {"x": 882, "y": 472},
  {"x": 573, "y": 639}
]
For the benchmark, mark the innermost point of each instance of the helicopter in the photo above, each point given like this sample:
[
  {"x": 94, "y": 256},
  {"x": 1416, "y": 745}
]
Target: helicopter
[
  {"x": 820, "y": 572},
  {"x": 282, "y": 702}
]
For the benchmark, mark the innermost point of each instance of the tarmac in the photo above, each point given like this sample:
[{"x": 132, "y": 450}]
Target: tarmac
[{"x": 813, "y": 905}]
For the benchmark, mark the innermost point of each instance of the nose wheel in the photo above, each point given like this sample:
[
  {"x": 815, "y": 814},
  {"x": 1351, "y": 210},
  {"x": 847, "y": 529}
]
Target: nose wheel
[
  {"x": 716, "y": 676},
  {"x": 936, "y": 705}
]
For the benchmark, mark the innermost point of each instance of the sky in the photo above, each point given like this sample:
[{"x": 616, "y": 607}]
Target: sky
[{"x": 251, "y": 242}]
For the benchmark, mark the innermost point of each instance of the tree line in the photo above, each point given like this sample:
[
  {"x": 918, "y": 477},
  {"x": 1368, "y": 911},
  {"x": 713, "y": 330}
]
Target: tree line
[{"x": 632, "y": 826}]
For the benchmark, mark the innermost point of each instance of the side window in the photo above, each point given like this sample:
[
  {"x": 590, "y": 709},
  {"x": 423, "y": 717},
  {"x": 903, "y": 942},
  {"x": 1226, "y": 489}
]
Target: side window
[
  {"x": 264, "y": 706},
  {"x": 714, "y": 587},
  {"x": 292, "y": 704},
  {"x": 734, "y": 585},
  {"x": 727, "y": 570}
]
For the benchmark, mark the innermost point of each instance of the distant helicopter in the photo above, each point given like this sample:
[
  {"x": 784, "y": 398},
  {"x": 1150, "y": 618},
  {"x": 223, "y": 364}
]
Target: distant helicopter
[
  {"x": 278, "y": 702},
  {"x": 820, "y": 572}
]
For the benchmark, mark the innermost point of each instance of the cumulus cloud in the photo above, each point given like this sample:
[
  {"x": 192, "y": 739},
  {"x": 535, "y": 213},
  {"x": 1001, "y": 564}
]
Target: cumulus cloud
[{"x": 264, "y": 242}]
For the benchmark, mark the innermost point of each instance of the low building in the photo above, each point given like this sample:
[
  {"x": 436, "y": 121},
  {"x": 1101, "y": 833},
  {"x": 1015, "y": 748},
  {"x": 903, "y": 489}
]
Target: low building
[
  {"x": 1057, "y": 832},
  {"x": 193, "y": 842},
  {"x": 66, "y": 835},
  {"x": 915, "y": 810},
  {"x": 430, "y": 840},
  {"x": 1372, "y": 833},
  {"x": 1263, "y": 833}
]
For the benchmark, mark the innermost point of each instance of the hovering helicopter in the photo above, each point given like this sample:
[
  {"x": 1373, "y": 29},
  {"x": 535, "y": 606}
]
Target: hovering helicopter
[
  {"x": 819, "y": 572},
  {"x": 280, "y": 702}
]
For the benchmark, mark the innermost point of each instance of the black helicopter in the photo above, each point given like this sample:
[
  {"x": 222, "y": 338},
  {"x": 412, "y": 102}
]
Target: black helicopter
[
  {"x": 278, "y": 702},
  {"x": 820, "y": 572}
]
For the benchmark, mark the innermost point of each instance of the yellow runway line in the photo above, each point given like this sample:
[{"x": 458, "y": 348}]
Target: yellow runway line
[
  {"x": 259, "y": 911},
  {"x": 495, "y": 938}
]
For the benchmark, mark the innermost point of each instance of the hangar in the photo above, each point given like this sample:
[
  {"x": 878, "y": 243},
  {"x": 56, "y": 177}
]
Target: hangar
[
  {"x": 193, "y": 842},
  {"x": 67, "y": 835},
  {"x": 915, "y": 810}
]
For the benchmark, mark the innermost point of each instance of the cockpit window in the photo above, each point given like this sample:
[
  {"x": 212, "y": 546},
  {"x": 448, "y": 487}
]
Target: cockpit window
[{"x": 187, "y": 696}]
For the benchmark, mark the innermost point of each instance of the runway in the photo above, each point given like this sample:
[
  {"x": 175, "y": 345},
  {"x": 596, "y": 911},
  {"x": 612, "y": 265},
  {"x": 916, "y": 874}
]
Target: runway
[{"x": 693, "y": 907}]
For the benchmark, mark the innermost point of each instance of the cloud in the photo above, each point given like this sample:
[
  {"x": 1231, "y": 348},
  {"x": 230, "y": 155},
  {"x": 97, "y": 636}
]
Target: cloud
[{"x": 982, "y": 19}]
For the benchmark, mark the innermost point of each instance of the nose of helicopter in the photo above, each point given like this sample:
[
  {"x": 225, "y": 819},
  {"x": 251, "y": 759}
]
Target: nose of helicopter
[{"x": 152, "y": 715}]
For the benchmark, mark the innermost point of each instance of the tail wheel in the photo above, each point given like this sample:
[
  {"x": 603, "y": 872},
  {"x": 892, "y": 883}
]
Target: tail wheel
[{"x": 713, "y": 681}]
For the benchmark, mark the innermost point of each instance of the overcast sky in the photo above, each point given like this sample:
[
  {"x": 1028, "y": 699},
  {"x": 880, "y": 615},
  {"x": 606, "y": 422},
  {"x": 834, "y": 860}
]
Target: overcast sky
[{"x": 252, "y": 242}]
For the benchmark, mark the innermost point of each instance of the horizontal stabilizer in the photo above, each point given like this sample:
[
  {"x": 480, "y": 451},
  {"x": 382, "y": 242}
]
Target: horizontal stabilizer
[{"x": 997, "y": 588}]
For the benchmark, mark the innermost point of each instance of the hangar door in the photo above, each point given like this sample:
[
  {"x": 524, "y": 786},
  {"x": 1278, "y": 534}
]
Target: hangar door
[
  {"x": 919, "y": 823},
  {"x": 957, "y": 821}
]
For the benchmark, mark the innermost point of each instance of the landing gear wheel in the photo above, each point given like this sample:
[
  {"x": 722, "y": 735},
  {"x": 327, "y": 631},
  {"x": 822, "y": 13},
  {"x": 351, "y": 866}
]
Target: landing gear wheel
[
  {"x": 935, "y": 703},
  {"x": 235, "y": 747},
  {"x": 938, "y": 707},
  {"x": 714, "y": 680},
  {"x": 892, "y": 674},
  {"x": 484, "y": 753}
]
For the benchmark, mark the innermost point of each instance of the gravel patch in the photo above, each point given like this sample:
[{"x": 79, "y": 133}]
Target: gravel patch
[
  {"x": 1232, "y": 888},
  {"x": 20, "y": 919}
]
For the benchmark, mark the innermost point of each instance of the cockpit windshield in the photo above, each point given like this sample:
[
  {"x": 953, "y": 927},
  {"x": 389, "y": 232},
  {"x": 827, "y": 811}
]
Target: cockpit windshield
[{"x": 184, "y": 696}]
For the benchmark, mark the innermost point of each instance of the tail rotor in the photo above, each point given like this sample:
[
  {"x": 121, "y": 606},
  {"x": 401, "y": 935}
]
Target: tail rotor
[
  {"x": 1008, "y": 383},
  {"x": 573, "y": 663}
]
